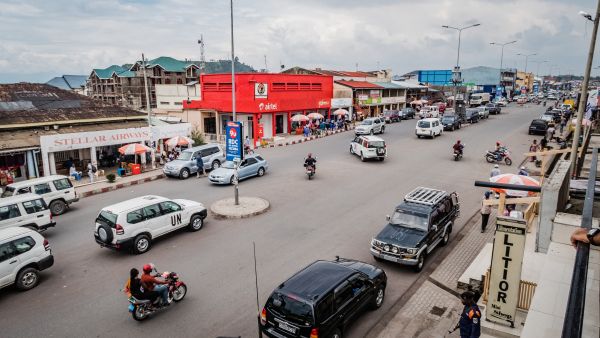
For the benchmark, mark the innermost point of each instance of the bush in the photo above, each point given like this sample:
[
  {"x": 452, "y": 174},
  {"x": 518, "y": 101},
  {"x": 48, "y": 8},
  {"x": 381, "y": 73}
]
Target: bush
[
  {"x": 198, "y": 137},
  {"x": 111, "y": 178}
]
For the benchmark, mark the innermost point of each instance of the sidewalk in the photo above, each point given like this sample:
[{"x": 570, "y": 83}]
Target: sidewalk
[
  {"x": 281, "y": 141},
  {"x": 435, "y": 307},
  {"x": 102, "y": 185}
]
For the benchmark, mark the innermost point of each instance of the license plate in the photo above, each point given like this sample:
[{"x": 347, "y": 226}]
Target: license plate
[
  {"x": 131, "y": 308},
  {"x": 388, "y": 257},
  {"x": 287, "y": 327}
]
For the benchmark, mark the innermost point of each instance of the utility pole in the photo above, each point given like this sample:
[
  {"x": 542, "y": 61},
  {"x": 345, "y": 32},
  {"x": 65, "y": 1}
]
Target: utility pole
[
  {"x": 501, "y": 56},
  {"x": 148, "y": 109},
  {"x": 266, "y": 67},
  {"x": 584, "y": 91},
  {"x": 202, "y": 60},
  {"x": 236, "y": 179}
]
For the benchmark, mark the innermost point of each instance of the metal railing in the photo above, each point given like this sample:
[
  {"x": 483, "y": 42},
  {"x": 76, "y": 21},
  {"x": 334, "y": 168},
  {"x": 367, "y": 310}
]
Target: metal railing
[
  {"x": 526, "y": 292},
  {"x": 573, "y": 323}
]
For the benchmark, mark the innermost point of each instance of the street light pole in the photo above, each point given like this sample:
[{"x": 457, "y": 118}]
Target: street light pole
[
  {"x": 526, "y": 59},
  {"x": 584, "y": 90},
  {"x": 457, "y": 68},
  {"x": 502, "y": 56},
  {"x": 148, "y": 109},
  {"x": 237, "y": 164}
]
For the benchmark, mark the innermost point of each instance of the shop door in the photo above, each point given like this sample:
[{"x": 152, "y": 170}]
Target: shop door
[
  {"x": 279, "y": 124},
  {"x": 210, "y": 125},
  {"x": 251, "y": 127}
]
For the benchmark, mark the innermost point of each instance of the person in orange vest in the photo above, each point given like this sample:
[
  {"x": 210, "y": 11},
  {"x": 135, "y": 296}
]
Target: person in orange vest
[{"x": 470, "y": 318}]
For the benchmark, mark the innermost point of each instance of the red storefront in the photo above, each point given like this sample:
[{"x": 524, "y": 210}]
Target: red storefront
[{"x": 264, "y": 102}]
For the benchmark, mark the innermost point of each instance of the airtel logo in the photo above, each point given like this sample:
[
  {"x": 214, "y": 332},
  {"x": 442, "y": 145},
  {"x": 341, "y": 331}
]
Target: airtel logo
[{"x": 267, "y": 106}]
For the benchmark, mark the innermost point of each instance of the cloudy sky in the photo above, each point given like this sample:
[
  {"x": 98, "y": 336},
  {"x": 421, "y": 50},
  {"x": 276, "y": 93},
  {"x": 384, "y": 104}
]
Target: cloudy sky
[{"x": 40, "y": 39}]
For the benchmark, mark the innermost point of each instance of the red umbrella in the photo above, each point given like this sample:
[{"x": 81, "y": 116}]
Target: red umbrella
[
  {"x": 134, "y": 149},
  {"x": 515, "y": 179}
]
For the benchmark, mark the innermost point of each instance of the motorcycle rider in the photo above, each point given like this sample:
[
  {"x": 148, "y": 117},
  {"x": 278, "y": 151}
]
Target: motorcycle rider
[
  {"x": 499, "y": 150},
  {"x": 134, "y": 287},
  {"x": 458, "y": 147},
  {"x": 150, "y": 283},
  {"x": 310, "y": 161}
]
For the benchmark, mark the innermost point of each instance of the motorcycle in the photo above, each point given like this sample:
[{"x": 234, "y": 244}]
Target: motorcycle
[
  {"x": 457, "y": 155},
  {"x": 492, "y": 157},
  {"x": 141, "y": 309},
  {"x": 310, "y": 171}
]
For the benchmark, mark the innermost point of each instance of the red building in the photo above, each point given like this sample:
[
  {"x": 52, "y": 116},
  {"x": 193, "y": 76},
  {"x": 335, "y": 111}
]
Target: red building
[{"x": 264, "y": 101}]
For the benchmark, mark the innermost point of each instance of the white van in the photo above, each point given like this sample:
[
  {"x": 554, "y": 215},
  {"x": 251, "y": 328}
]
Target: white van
[
  {"x": 429, "y": 111},
  {"x": 27, "y": 210},
  {"x": 429, "y": 127},
  {"x": 23, "y": 254},
  {"x": 56, "y": 190}
]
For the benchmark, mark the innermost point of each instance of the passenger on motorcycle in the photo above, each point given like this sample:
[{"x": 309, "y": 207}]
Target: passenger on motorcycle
[
  {"x": 150, "y": 283},
  {"x": 310, "y": 161},
  {"x": 134, "y": 287},
  {"x": 499, "y": 151},
  {"x": 458, "y": 147}
]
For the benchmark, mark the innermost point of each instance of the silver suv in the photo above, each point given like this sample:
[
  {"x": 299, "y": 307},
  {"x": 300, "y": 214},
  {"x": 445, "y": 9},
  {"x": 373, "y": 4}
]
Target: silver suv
[
  {"x": 370, "y": 126},
  {"x": 212, "y": 156}
]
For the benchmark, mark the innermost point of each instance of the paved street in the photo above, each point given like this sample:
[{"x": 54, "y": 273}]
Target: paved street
[{"x": 337, "y": 213}]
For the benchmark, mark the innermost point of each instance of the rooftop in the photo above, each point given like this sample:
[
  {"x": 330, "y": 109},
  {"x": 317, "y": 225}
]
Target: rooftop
[
  {"x": 68, "y": 82},
  {"x": 359, "y": 84},
  {"x": 316, "y": 279}
]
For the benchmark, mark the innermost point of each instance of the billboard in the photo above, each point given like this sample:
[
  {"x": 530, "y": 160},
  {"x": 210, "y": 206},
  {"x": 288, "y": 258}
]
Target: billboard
[
  {"x": 234, "y": 141},
  {"x": 436, "y": 77}
]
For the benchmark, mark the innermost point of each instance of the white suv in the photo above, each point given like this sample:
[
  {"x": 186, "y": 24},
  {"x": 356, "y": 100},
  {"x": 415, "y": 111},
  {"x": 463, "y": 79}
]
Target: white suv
[
  {"x": 134, "y": 223},
  {"x": 27, "y": 210},
  {"x": 368, "y": 147},
  {"x": 371, "y": 126},
  {"x": 431, "y": 127},
  {"x": 23, "y": 254},
  {"x": 56, "y": 190}
]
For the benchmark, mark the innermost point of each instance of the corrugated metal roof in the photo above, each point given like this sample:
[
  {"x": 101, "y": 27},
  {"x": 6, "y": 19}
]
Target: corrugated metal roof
[
  {"x": 68, "y": 82},
  {"x": 388, "y": 85},
  {"x": 359, "y": 84}
]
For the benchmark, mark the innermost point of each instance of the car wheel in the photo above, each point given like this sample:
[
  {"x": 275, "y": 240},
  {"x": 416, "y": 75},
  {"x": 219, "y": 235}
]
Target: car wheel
[
  {"x": 377, "y": 259},
  {"x": 371, "y": 132},
  {"x": 362, "y": 157},
  {"x": 420, "y": 263},
  {"x": 337, "y": 334},
  {"x": 351, "y": 151},
  {"x": 452, "y": 129},
  {"x": 378, "y": 299},
  {"x": 459, "y": 125},
  {"x": 382, "y": 130},
  {"x": 184, "y": 173},
  {"x": 261, "y": 171},
  {"x": 231, "y": 180},
  {"x": 381, "y": 159},
  {"x": 196, "y": 223},
  {"x": 141, "y": 244},
  {"x": 418, "y": 136},
  {"x": 215, "y": 164},
  {"x": 446, "y": 237},
  {"x": 105, "y": 233},
  {"x": 27, "y": 279},
  {"x": 58, "y": 207},
  {"x": 530, "y": 133}
]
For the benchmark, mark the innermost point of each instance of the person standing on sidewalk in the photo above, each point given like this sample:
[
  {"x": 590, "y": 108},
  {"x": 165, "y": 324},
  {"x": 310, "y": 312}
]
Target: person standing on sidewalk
[
  {"x": 486, "y": 210},
  {"x": 534, "y": 147},
  {"x": 91, "y": 171},
  {"x": 495, "y": 171},
  {"x": 200, "y": 165},
  {"x": 470, "y": 318}
]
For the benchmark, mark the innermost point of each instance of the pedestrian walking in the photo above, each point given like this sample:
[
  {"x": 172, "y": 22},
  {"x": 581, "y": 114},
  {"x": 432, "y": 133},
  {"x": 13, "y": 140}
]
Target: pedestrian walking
[
  {"x": 495, "y": 171},
  {"x": 200, "y": 165},
  {"x": 563, "y": 124},
  {"x": 486, "y": 210},
  {"x": 550, "y": 132},
  {"x": 544, "y": 143},
  {"x": 534, "y": 147},
  {"x": 91, "y": 171},
  {"x": 470, "y": 317}
]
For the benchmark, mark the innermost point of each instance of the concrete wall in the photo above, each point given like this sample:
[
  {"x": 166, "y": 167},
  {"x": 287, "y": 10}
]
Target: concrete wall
[
  {"x": 171, "y": 96},
  {"x": 552, "y": 199}
]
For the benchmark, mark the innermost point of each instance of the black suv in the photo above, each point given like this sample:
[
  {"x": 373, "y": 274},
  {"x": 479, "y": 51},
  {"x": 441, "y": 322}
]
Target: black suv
[
  {"x": 451, "y": 122},
  {"x": 472, "y": 115},
  {"x": 323, "y": 299},
  {"x": 538, "y": 126},
  {"x": 418, "y": 225},
  {"x": 407, "y": 113}
]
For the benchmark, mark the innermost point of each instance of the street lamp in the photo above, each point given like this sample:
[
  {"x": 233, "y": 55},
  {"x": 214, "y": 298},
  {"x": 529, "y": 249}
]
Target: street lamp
[
  {"x": 457, "y": 68},
  {"x": 502, "y": 56},
  {"x": 526, "y": 58},
  {"x": 584, "y": 91}
]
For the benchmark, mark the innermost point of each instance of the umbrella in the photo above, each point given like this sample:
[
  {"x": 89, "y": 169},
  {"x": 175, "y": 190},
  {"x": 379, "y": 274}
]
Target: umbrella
[
  {"x": 315, "y": 116},
  {"x": 341, "y": 112},
  {"x": 134, "y": 149},
  {"x": 179, "y": 141},
  {"x": 299, "y": 118},
  {"x": 515, "y": 179}
]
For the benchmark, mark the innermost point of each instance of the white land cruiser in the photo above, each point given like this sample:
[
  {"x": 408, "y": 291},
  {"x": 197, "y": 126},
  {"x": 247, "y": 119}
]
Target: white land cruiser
[
  {"x": 368, "y": 147},
  {"x": 373, "y": 125},
  {"x": 135, "y": 223}
]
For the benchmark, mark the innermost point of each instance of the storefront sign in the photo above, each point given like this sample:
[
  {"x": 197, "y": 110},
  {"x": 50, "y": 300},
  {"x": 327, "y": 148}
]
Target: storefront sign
[
  {"x": 505, "y": 275},
  {"x": 396, "y": 99},
  {"x": 363, "y": 97},
  {"x": 374, "y": 93},
  {"x": 323, "y": 103},
  {"x": 233, "y": 145},
  {"x": 267, "y": 106},
  {"x": 341, "y": 102},
  {"x": 260, "y": 90}
]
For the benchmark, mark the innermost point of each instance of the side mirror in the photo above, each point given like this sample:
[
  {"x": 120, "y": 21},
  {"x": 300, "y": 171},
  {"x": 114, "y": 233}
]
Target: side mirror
[{"x": 388, "y": 218}]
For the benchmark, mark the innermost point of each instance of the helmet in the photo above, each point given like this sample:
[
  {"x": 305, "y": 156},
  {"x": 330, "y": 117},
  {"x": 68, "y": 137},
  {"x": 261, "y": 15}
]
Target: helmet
[
  {"x": 522, "y": 168},
  {"x": 458, "y": 141},
  {"x": 497, "y": 143},
  {"x": 147, "y": 268},
  {"x": 309, "y": 155},
  {"x": 496, "y": 166}
]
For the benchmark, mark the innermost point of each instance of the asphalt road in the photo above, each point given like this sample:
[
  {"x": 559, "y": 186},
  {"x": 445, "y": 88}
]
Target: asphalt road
[{"x": 337, "y": 213}]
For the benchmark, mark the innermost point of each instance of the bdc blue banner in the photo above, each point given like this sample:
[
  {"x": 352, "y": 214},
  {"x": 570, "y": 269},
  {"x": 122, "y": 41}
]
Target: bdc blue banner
[{"x": 234, "y": 141}]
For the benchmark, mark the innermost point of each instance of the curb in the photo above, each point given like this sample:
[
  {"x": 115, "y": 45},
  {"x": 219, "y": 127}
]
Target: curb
[
  {"x": 119, "y": 186},
  {"x": 306, "y": 139},
  {"x": 221, "y": 216}
]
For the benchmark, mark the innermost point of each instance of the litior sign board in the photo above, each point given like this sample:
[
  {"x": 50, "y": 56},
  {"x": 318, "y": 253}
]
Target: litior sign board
[
  {"x": 505, "y": 276},
  {"x": 260, "y": 90},
  {"x": 233, "y": 144}
]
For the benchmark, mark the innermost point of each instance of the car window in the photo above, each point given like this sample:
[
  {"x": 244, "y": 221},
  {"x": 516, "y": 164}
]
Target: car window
[
  {"x": 357, "y": 139},
  {"x": 424, "y": 124},
  {"x": 324, "y": 309},
  {"x": 43, "y": 188},
  {"x": 9, "y": 211},
  {"x": 135, "y": 216},
  {"x": 410, "y": 219},
  {"x": 8, "y": 191},
  {"x": 343, "y": 294},
  {"x": 376, "y": 144},
  {"x": 290, "y": 308},
  {"x": 436, "y": 216},
  {"x": 7, "y": 250},
  {"x": 34, "y": 206},
  {"x": 107, "y": 217},
  {"x": 25, "y": 190},
  {"x": 250, "y": 161},
  {"x": 259, "y": 158},
  {"x": 62, "y": 184},
  {"x": 152, "y": 211},
  {"x": 168, "y": 207},
  {"x": 23, "y": 245}
]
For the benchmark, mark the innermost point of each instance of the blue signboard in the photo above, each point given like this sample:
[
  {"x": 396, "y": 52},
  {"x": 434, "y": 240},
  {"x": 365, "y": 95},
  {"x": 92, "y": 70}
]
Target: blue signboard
[
  {"x": 234, "y": 147},
  {"x": 536, "y": 87},
  {"x": 499, "y": 91},
  {"x": 435, "y": 77}
]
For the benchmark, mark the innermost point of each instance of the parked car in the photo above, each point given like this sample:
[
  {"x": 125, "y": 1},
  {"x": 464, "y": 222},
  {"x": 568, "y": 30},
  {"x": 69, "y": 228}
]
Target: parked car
[
  {"x": 323, "y": 299},
  {"x": 391, "y": 116},
  {"x": 419, "y": 224},
  {"x": 368, "y": 147},
  {"x": 484, "y": 112},
  {"x": 548, "y": 117},
  {"x": 23, "y": 254},
  {"x": 451, "y": 122},
  {"x": 493, "y": 108},
  {"x": 407, "y": 113},
  {"x": 373, "y": 125},
  {"x": 133, "y": 224},
  {"x": 252, "y": 165},
  {"x": 538, "y": 126},
  {"x": 472, "y": 115},
  {"x": 429, "y": 112},
  {"x": 551, "y": 97},
  {"x": 429, "y": 127},
  {"x": 26, "y": 210},
  {"x": 502, "y": 102},
  {"x": 56, "y": 190},
  {"x": 521, "y": 100},
  {"x": 185, "y": 165}
]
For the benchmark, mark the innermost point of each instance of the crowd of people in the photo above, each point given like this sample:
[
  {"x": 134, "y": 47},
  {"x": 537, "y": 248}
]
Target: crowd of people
[{"x": 319, "y": 127}]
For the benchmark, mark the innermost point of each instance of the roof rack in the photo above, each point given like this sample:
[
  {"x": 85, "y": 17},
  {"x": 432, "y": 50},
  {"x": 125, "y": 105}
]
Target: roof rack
[{"x": 425, "y": 196}]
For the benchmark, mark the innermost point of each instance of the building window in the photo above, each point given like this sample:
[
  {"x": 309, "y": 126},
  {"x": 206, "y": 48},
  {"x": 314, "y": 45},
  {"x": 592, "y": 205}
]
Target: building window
[
  {"x": 179, "y": 81},
  {"x": 164, "y": 103},
  {"x": 167, "y": 81},
  {"x": 278, "y": 86},
  {"x": 316, "y": 86},
  {"x": 178, "y": 103},
  {"x": 305, "y": 86}
]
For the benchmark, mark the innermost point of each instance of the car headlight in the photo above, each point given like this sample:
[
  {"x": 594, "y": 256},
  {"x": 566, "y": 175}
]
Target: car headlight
[
  {"x": 412, "y": 251},
  {"x": 395, "y": 250},
  {"x": 386, "y": 248}
]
